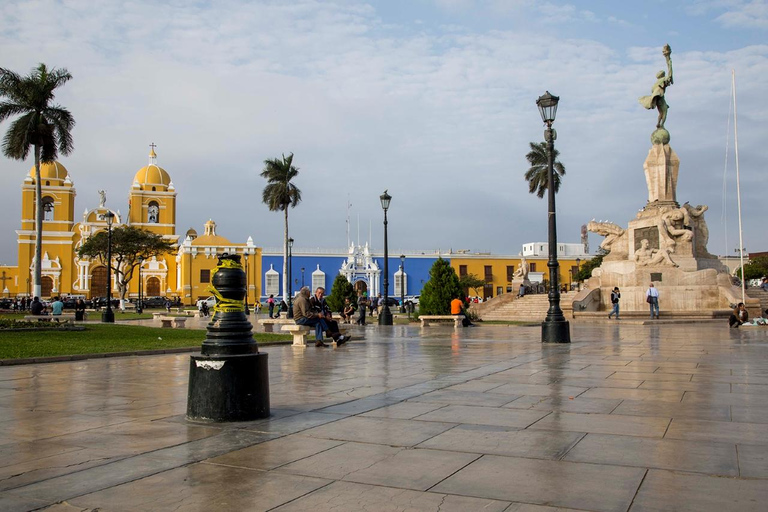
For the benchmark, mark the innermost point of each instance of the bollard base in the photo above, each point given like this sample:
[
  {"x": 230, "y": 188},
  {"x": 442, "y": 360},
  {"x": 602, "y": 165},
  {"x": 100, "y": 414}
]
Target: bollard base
[
  {"x": 228, "y": 388},
  {"x": 555, "y": 332}
]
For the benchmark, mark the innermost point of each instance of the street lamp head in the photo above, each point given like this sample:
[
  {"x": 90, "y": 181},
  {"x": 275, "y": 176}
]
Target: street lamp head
[
  {"x": 290, "y": 242},
  {"x": 578, "y": 261},
  {"x": 385, "y": 200},
  {"x": 402, "y": 258},
  {"x": 547, "y": 107}
]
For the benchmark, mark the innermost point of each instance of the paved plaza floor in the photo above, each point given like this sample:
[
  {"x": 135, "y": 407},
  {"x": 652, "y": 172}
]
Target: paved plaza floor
[{"x": 627, "y": 417}]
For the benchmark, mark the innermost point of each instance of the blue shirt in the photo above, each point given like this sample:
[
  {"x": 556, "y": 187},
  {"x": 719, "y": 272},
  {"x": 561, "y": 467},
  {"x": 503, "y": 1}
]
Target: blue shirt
[{"x": 57, "y": 307}]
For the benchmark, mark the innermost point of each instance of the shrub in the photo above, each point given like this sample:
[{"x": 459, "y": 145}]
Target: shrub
[
  {"x": 341, "y": 290},
  {"x": 443, "y": 286}
]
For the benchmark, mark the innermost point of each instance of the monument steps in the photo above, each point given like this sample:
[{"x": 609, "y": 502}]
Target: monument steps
[
  {"x": 529, "y": 308},
  {"x": 760, "y": 294}
]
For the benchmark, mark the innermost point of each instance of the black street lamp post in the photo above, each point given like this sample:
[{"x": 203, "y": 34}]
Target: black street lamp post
[
  {"x": 139, "y": 305},
  {"x": 402, "y": 283},
  {"x": 302, "y": 277},
  {"x": 555, "y": 328},
  {"x": 109, "y": 316},
  {"x": 578, "y": 270},
  {"x": 290, "y": 277},
  {"x": 385, "y": 318}
]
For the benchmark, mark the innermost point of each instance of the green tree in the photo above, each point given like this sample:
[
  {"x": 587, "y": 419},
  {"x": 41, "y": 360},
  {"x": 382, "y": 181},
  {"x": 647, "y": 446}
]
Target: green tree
[
  {"x": 442, "y": 287},
  {"x": 129, "y": 245},
  {"x": 279, "y": 194},
  {"x": 586, "y": 268},
  {"x": 470, "y": 281},
  {"x": 42, "y": 124},
  {"x": 341, "y": 289},
  {"x": 755, "y": 268},
  {"x": 537, "y": 175}
]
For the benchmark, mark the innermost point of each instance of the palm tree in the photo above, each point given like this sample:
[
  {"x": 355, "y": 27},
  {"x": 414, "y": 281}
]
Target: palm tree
[
  {"x": 279, "y": 194},
  {"x": 536, "y": 175},
  {"x": 44, "y": 125}
]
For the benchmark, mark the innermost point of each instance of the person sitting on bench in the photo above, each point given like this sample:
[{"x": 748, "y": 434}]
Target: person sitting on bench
[
  {"x": 348, "y": 311},
  {"x": 319, "y": 306}
]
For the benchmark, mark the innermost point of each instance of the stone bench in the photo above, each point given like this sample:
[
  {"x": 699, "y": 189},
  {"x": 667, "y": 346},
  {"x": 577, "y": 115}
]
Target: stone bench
[
  {"x": 428, "y": 319},
  {"x": 62, "y": 318},
  {"x": 300, "y": 333},
  {"x": 269, "y": 323},
  {"x": 173, "y": 321}
]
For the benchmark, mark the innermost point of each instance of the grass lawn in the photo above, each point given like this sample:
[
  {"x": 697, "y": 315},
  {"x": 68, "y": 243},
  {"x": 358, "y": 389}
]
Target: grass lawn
[{"x": 101, "y": 338}]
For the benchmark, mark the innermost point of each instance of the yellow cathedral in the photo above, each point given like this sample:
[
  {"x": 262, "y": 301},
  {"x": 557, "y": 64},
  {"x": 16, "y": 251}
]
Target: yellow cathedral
[{"x": 183, "y": 273}]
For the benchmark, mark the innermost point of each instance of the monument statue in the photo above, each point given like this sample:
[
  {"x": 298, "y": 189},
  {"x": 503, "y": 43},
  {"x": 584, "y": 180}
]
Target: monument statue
[
  {"x": 656, "y": 99},
  {"x": 522, "y": 269},
  {"x": 645, "y": 256},
  {"x": 102, "y": 198}
]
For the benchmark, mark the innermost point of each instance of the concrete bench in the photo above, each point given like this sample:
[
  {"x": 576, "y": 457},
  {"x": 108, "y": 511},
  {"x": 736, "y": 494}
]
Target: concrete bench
[
  {"x": 269, "y": 323},
  {"x": 300, "y": 333},
  {"x": 62, "y": 318},
  {"x": 173, "y": 321},
  {"x": 428, "y": 319}
]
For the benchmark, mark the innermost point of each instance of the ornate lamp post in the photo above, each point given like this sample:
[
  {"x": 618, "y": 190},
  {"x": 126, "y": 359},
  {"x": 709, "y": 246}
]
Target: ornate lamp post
[
  {"x": 555, "y": 328},
  {"x": 139, "y": 305},
  {"x": 402, "y": 283},
  {"x": 385, "y": 318},
  {"x": 245, "y": 261},
  {"x": 109, "y": 316},
  {"x": 290, "y": 278}
]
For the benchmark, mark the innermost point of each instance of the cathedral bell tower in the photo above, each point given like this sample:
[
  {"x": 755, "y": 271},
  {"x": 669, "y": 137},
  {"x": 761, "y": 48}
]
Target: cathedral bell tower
[{"x": 152, "y": 200}]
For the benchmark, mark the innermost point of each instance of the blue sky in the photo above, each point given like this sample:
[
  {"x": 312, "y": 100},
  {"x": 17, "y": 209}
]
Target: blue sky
[{"x": 433, "y": 100}]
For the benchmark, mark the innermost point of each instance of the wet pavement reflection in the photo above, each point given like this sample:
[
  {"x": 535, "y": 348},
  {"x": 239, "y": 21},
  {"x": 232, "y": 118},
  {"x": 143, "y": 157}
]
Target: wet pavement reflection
[{"x": 627, "y": 417}]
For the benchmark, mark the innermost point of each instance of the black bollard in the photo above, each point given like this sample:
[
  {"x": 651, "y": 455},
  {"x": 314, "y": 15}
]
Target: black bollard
[{"x": 229, "y": 380}]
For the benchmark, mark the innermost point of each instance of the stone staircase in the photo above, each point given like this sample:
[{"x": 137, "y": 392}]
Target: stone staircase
[
  {"x": 762, "y": 295},
  {"x": 530, "y": 308}
]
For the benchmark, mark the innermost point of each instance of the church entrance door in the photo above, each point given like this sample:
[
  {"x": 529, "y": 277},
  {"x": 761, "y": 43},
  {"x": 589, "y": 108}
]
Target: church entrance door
[
  {"x": 47, "y": 286},
  {"x": 153, "y": 287},
  {"x": 99, "y": 282},
  {"x": 361, "y": 286}
]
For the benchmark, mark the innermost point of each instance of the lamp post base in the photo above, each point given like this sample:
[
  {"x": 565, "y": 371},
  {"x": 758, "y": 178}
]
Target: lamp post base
[
  {"x": 553, "y": 331},
  {"x": 108, "y": 316},
  {"x": 385, "y": 317},
  {"x": 228, "y": 388}
]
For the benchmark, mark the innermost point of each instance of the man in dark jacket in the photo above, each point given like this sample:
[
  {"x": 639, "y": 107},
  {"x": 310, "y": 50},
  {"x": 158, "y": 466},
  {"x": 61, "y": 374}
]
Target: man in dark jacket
[
  {"x": 36, "y": 308},
  {"x": 318, "y": 304}
]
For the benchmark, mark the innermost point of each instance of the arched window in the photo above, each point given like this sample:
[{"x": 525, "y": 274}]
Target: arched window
[
  {"x": 401, "y": 283},
  {"x": 318, "y": 279},
  {"x": 153, "y": 212},
  {"x": 47, "y": 208},
  {"x": 272, "y": 279}
]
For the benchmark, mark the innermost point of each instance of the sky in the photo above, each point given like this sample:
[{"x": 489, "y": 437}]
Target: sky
[{"x": 432, "y": 100}]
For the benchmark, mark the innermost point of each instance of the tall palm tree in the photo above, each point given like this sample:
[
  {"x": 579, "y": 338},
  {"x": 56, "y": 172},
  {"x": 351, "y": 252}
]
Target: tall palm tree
[
  {"x": 44, "y": 125},
  {"x": 536, "y": 175},
  {"x": 279, "y": 194}
]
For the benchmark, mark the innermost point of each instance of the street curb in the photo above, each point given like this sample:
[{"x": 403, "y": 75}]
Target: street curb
[{"x": 83, "y": 357}]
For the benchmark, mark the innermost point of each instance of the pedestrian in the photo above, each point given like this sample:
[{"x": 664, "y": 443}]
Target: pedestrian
[
  {"x": 80, "y": 310},
  {"x": 739, "y": 315},
  {"x": 168, "y": 305},
  {"x": 615, "y": 296},
  {"x": 652, "y": 298},
  {"x": 374, "y": 304},
  {"x": 362, "y": 305},
  {"x": 271, "y": 305}
]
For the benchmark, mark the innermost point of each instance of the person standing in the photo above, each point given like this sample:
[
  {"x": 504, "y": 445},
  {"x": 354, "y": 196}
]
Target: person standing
[
  {"x": 362, "y": 305},
  {"x": 615, "y": 296},
  {"x": 652, "y": 298},
  {"x": 80, "y": 310},
  {"x": 271, "y": 305}
]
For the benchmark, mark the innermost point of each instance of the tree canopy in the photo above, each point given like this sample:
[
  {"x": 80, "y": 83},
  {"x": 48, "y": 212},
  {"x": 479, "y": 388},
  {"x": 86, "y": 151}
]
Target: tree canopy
[
  {"x": 537, "y": 174},
  {"x": 470, "y": 281},
  {"x": 442, "y": 287},
  {"x": 341, "y": 289},
  {"x": 280, "y": 194},
  {"x": 129, "y": 245}
]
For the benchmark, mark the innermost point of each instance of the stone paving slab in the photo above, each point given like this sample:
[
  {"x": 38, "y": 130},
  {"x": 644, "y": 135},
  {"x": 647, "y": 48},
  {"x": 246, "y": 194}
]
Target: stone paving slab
[{"x": 627, "y": 417}]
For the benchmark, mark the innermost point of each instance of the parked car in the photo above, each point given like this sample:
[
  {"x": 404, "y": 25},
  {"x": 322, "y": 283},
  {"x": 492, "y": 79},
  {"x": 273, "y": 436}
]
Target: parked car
[
  {"x": 391, "y": 302},
  {"x": 412, "y": 299},
  {"x": 153, "y": 302},
  {"x": 211, "y": 301}
]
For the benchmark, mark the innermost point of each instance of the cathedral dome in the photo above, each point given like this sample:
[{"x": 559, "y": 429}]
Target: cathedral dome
[
  {"x": 50, "y": 171},
  {"x": 152, "y": 174}
]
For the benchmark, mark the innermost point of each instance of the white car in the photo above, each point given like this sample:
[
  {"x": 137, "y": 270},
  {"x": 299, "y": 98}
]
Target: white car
[
  {"x": 413, "y": 299},
  {"x": 211, "y": 301}
]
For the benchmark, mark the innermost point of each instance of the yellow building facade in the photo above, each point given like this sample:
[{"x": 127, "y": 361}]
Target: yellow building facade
[{"x": 183, "y": 273}]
